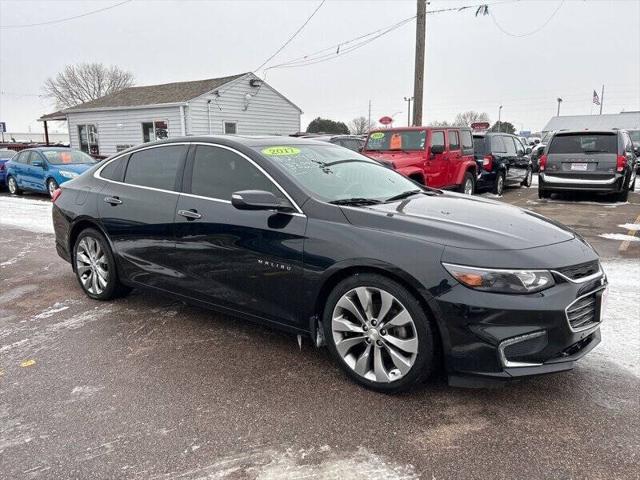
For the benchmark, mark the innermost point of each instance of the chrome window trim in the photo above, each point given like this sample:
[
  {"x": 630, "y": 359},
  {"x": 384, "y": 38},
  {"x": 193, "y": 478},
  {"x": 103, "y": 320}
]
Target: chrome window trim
[
  {"x": 576, "y": 181},
  {"x": 588, "y": 327},
  {"x": 512, "y": 341},
  {"x": 96, "y": 174}
]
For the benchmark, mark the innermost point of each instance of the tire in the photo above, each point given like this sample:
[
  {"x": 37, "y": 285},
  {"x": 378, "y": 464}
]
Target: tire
[
  {"x": 12, "y": 186},
  {"x": 468, "y": 185},
  {"x": 543, "y": 193},
  {"x": 623, "y": 196},
  {"x": 528, "y": 180},
  {"x": 498, "y": 185},
  {"x": 52, "y": 185},
  {"x": 367, "y": 356},
  {"x": 88, "y": 262}
]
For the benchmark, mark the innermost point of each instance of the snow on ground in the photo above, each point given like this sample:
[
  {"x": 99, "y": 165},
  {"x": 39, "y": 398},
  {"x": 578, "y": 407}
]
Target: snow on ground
[
  {"x": 26, "y": 213},
  {"x": 621, "y": 325},
  {"x": 630, "y": 226},
  {"x": 620, "y": 236}
]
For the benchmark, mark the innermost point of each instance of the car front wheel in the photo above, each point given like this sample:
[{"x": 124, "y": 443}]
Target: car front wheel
[
  {"x": 12, "y": 185},
  {"x": 52, "y": 186},
  {"x": 378, "y": 333},
  {"x": 528, "y": 180},
  {"x": 95, "y": 266}
]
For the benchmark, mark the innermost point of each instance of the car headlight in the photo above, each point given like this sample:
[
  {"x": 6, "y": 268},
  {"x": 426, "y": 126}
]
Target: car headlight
[
  {"x": 501, "y": 281},
  {"x": 66, "y": 174}
]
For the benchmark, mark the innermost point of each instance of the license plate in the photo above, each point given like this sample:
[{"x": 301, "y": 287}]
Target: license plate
[{"x": 582, "y": 167}]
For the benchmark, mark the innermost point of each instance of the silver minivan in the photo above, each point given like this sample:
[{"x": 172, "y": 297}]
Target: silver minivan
[{"x": 599, "y": 161}]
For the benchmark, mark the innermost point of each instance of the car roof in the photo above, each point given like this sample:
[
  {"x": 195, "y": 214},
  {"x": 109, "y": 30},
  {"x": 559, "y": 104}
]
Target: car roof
[
  {"x": 247, "y": 140},
  {"x": 40, "y": 149},
  {"x": 586, "y": 132},
  {"x": 418, "y": 129}
]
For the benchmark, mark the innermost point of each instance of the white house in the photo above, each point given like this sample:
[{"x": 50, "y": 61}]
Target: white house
[{"x": 240, "y": 104}]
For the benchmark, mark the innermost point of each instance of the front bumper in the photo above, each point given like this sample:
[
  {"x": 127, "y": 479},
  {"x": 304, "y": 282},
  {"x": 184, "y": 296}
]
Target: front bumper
[
  {"x": 595, "y": 183},
  {"x": 501, "y": 337}
]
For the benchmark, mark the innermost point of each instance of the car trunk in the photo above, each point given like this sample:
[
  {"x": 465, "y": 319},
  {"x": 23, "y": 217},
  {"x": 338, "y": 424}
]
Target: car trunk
[{"x": 584, "y": 155}]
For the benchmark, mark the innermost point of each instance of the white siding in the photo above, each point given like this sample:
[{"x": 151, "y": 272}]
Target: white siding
[
  {"x": 122, "y": 127},
  {"x": 268, "y": 113}
]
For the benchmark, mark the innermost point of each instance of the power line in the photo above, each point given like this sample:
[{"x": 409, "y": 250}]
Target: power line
[
  {"x": 521, "y": 35},
  {"x": 60, "y": 20},
  {"x": 292, "y": 36}
]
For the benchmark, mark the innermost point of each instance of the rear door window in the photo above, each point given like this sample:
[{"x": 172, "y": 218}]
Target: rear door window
[
  {"x": 155, "y": 167},
  {"x": 584, "y": 143},
  {"x": 454, "y": 140},
  {"x": 218, "y": 172},
  {"x": 497, "y": 145}
]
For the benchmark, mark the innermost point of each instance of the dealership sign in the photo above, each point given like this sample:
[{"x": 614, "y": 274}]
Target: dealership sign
[{"x": 386, "y": 120}]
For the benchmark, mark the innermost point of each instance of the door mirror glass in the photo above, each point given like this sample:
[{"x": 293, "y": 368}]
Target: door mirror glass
[
  {"x": 527, "y": 150},
  {"x": 437, "y": 149},
  {"x": 255, "y": 200}
]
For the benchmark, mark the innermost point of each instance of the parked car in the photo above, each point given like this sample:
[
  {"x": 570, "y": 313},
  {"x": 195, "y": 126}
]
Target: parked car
[
  {"x": 5, "y": 156},
  {"x": 45, "y": 169},
  {"x": 598, "y": 161},
  {"x": 433, "y": 156},
  {"x": 352, "y": 142},
  {"x": 324, "y": 242},
  {"x": 635, "y": 139},
  {"x": 502, "y": 162},
  {"x": 538, "y": 149}
]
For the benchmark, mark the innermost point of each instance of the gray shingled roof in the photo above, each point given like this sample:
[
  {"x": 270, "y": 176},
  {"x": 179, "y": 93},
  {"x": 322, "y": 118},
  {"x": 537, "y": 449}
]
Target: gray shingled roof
[
  {"x": 607, "y": 121},
  {"x": 176, "y": 92}
]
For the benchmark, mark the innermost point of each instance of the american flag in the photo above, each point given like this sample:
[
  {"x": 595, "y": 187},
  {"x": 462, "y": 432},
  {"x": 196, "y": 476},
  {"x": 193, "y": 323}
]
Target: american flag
[{"x": 596, "y": 99}]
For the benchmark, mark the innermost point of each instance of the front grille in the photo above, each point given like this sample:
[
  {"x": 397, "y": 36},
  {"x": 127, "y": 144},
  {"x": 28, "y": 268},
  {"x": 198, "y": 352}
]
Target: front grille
[
  {"x": 576, "y": 272},
  {"x": 583, "y": 313}
]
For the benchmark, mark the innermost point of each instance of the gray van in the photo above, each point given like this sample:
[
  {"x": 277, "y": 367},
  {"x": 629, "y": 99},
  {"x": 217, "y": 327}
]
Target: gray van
[{"x": 599, "y": 161}]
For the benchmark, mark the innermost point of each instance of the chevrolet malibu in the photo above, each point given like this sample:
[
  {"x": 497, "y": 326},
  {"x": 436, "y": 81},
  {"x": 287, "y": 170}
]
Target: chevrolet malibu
[{"x": 316, "y": 239}]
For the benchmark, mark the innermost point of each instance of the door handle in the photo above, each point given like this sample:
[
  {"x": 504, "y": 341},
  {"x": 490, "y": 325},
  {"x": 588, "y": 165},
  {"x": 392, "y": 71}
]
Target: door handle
[
  {"x": 112, "y": 201},
  {"x": 190, "y": 214}
]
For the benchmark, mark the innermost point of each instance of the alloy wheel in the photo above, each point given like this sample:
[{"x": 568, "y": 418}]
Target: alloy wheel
[
  {"x": 529, "y": 178},
  {"x": 500, "y": 185},
  {"x": 468, "y": 187},
  {"x": 13, "y": 186},
  {"x": 91, "y": 265},
  {"x": 374, "y": 334},
  {"x": 51, "y": 184}
]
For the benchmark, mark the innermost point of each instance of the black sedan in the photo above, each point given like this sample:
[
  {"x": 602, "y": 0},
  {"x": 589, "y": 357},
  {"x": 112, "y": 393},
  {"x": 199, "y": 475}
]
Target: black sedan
[{"x": 321, "y": 241}]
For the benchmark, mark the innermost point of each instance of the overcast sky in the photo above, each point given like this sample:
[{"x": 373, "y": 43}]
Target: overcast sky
[{"x": 472, "y": 63}]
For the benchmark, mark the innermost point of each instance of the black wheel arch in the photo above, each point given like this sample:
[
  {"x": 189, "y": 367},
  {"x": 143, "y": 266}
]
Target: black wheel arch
[{"x": 78, "y": 226}]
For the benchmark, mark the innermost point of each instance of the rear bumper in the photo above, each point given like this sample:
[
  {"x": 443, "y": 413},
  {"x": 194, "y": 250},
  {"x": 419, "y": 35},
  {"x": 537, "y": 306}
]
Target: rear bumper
[{"x": 580, "y": 182}]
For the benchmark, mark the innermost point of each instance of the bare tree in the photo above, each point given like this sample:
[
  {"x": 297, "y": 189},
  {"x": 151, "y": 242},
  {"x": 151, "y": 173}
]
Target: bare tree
[
  {"x": 80, "y": 83},
  {"x": 465, "y": 119},
  {"x": 359, "y": 126},
  {"x": 440, "y": 123}
]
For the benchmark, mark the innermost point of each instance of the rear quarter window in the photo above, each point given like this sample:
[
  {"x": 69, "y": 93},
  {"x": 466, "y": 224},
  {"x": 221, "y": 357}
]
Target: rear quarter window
[
  {"x": 584, "y": 143},
  {"x": 479, "y": 145},
  {"x": 114, "y": 170}
]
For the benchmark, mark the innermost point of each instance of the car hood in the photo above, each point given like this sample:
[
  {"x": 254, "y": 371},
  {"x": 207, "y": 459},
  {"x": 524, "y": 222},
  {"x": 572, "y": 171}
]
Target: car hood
[
  {"x": 76, "y": 168},
  {"x": 462, "y": 221}
]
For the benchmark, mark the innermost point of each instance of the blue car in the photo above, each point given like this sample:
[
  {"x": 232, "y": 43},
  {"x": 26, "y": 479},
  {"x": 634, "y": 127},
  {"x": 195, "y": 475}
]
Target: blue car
[
  {"x": 5, "y": 156},
  {"x": 44, "y": 169}
]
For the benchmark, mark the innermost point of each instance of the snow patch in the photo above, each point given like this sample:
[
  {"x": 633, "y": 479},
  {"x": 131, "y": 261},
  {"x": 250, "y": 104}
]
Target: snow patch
[
  {"x": 630, "y": 226},
  {"x": 85, "y": 391},
  {"x": 620, "y": 236},
  {"x": 26, "y": 214},
  {"x": 49, "y": 312}
]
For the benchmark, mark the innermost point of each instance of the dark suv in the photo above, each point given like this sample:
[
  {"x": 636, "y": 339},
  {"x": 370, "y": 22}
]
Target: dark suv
[
  {"x": 502, "y": 161},
  {"x": 598, "y": 161}
]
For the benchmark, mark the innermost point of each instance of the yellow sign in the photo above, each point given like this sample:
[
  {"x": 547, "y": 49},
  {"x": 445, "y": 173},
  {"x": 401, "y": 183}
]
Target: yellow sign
[
  {"x": 281, "y": 151},
  {"x": 377, "y": 135}
]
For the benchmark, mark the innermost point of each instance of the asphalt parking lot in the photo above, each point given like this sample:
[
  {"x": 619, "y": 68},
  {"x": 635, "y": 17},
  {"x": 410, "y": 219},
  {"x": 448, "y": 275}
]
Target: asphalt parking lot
[{"x": 147, "y": 387}]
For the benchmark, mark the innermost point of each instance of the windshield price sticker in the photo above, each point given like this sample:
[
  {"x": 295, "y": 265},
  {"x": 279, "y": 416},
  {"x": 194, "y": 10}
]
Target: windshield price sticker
[{"x": 278, "y": 151}]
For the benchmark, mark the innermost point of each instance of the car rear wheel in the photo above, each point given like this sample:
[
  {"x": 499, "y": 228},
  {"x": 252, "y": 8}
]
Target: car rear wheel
[
  {"x": 498, "y": 186},
  {"x": 528, "y": 180},
  {"x": 468, "y": 184},
  {"x": 378, "y": 333},
  {"x": 623, "y": 196},
  {"x": 52, "y": 186},
  {"x": 12, "y": 185},
  {"x": 95, "y": 266}
]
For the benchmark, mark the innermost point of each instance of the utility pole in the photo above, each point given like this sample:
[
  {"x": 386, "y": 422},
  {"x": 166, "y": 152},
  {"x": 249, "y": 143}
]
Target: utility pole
[
  {"x": 601, "y": 99},
  {"x": 559, "y": 102},
  {"x": 418, "y": 80},
  {"x": 408, "y": 100},
  {"x": 499, "y": 118},
  {"x": 369, "y": 122}
]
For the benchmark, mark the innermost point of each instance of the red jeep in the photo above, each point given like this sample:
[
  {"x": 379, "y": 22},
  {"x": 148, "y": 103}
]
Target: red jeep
[{"x": 440, "y": 157}]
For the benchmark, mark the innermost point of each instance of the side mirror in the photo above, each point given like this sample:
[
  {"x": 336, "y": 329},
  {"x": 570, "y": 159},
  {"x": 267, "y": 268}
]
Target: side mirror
[
  {"x": 519, "y": 152},
  {"x": 37, "y": 163},
  {"x": 636, "y": 150},
  {"x": 437, "y": 149},
  {"x": 255, "y": 200},
  {"x": 528, "y": 150}
]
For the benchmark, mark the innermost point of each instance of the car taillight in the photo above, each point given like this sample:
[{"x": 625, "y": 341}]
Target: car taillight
[
  {"x": 56, "y": 194},
  {"x": 1, "y": 167},
  {"x": 621, "y": 162},
  {"x": 487, "y": 162},
  {"x": 542, "y": 163}
]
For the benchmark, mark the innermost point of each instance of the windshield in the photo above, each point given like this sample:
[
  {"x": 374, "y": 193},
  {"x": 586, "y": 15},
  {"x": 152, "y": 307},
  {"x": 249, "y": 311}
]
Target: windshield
[
  {"x": 584, "y": 143},
  {"x": 67, "y": 157},
  {"x": 397, "y": 140},
  {"x": 635, "y": 136},
  {"x": 334, "y": 173}
]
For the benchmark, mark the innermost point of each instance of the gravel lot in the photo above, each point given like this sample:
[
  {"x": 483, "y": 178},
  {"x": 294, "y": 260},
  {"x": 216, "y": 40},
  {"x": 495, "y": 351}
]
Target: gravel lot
[{"x": 146, "y": 387}]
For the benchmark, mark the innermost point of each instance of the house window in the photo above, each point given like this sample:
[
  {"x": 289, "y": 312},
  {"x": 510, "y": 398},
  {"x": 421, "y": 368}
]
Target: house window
[
  {"x": 88, "y": 135},
  {"x": 156, "y": 130},
  {"x": 230, "y": 128}
]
